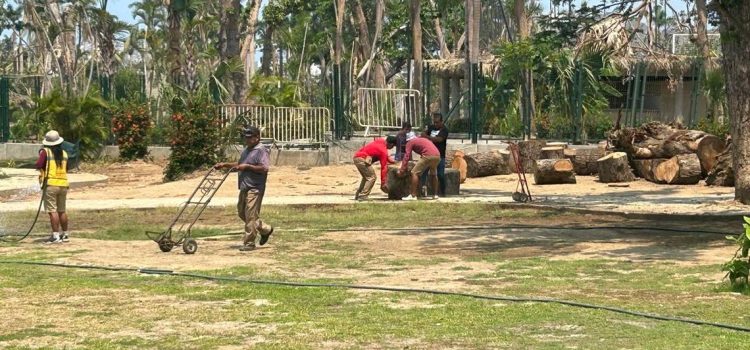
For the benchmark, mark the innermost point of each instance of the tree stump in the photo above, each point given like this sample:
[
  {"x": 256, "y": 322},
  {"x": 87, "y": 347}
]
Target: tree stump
[
  {"x": 554, "y": 171},
  {"x": 708, "y": 149},
  {"x": 399, "y": 187},
  {"x": 722, "y": 174},
  {"x": 584, "y": 159},
  {"x": 452, "y": 183},
  {"x": 529, "y": 151},
  {"x": 554, "y": 152},
  {"x": 679, "y": 170},
  {"x": 614, "y": 168},
  {"x": 459, "y": 163},
  {"x": 644, "y": 168},
  {"x": 485, "y": 164}
]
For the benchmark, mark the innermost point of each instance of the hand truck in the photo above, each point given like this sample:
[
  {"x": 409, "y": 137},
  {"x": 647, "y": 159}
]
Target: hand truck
[
  {"x": 524, "y": 195},
  {"x": 178, "y": 232}
]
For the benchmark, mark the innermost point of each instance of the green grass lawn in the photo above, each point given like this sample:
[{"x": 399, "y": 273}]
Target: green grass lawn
[{"x": 51, "y": 307}]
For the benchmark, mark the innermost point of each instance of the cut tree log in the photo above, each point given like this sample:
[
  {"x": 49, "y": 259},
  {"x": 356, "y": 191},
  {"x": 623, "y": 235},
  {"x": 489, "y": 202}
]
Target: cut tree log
[
  {"x": 644, "y": 168},
  {"x": 584, "y": 159},
  {"x": 554, "y": 152},
  {"x": 614, "y": 168},
  {"x": 556, "y": 144},
  {"x": 452, "y": 183},
  {"x": 554, "y": 171},
  {"x": 722, "y": 174},
  {"x": 508, "y": 157},
  {"x": 529, "y": 151},
  {"x": 486, "y": 164},
  {"x": 708, "y": 149},
  {"x": 656, "y": 140},
  {"x": 683, "y": 169},
  {"x": 400, "y": 187},
  {"x": 459, "y": 163}
]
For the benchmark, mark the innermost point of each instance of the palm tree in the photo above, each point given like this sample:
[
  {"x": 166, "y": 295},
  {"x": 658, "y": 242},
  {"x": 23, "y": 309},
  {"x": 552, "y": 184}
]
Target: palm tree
[
  {"x": 229, "y": 45},
  {"x": 151, "y": 16},
  {"x": 175, "y": 10}
]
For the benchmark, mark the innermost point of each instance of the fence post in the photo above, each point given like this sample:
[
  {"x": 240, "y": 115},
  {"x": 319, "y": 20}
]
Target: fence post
[
  {"x": 4, "y": 109},
  {"x": 337, "y": 108},
  {"x": 474, "y": 103},
  {"x": 577, "y": 102},
  {"x": 426, "y": 78}
]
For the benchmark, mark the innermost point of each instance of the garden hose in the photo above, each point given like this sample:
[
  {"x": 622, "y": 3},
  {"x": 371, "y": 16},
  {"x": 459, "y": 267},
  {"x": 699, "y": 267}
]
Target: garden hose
[
  {"x": 38, "y": 210},
  {"x": 155, "y": 271},
  {"x": 500, "y": 227}
]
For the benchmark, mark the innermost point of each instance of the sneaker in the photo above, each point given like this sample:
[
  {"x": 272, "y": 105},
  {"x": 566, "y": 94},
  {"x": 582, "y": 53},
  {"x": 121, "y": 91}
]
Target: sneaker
[
  {"x": 264, "y": 238},
  {"x": 435, "y": 196},
  {"x": 53, "y": 240},
  {"x": 409, "y": 198},
  {"x": 64, "y": 237},
  {"x": 362, "y": 198},
  {"x": 247, "y": 247}
]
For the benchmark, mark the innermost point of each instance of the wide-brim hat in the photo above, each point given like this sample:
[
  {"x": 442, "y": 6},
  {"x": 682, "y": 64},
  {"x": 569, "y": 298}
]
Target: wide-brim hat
[{"x": 52, "y": 138}]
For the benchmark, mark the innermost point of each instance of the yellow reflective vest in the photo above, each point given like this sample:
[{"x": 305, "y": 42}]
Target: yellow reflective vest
[{"x": 56, "y": 176}]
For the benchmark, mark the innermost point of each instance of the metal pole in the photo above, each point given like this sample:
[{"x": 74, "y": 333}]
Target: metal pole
[
  {"x": 4, "y": 109},
  {"x": 474, "y": 103},
  {"x": 338, "y": 131},
  {"x": 634, "y": 100},
  {"x": 427, "y": 92},
  {"x": 643, "y": 90}
]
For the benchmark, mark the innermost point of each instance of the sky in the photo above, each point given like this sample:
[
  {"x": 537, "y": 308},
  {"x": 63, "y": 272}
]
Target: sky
[{"x": 121, "y": 10}]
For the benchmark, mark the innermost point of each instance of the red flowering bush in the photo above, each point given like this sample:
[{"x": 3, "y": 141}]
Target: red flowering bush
[
  {"x": 194, "y": 135},
  {"x": 130, "y": 125}
]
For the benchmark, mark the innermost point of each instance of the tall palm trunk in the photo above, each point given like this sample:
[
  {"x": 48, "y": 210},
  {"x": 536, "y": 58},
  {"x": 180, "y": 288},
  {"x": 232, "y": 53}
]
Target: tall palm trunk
[
  {"x": 229, "y": 45},
  {"x": 416, "y": 35},
  {"x": 267, "y": 59},
  {"x": 367, "y": 47},
  {"x": 735, "y": 27},
  {"x": 248, "y": 46},
  {"x": 527, "y": 77},
  {"x": 174, "y": 38}
]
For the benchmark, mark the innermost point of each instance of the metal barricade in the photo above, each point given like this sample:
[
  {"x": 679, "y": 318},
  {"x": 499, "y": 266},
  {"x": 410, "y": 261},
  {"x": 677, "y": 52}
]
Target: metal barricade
[
  {"x": 239, "y": 114},
  {"x": 284, "y": 125},
  {"x": 301, "y": 125},
  {"x": 387, "y": 108}
]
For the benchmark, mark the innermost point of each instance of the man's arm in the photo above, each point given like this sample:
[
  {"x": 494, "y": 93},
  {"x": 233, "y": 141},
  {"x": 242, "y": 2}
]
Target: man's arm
[
  {"x": 233, "y": 166},
  {"x": 41, "y": 162},
  {"x": 405, "y": 160}
]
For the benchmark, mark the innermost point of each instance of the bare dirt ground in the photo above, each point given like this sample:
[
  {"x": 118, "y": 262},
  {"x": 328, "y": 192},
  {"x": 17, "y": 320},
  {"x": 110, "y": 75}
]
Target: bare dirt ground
[
  {"x": 417, "y": 258},
  {"x": 445, "y": 250},
  {"x": 144, "y": 180}
]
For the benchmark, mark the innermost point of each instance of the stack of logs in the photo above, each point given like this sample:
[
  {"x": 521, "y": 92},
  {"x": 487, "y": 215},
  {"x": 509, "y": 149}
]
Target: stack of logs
[
  {"x": 536, "y": 156},
  {"x": 669, "y": 153}
]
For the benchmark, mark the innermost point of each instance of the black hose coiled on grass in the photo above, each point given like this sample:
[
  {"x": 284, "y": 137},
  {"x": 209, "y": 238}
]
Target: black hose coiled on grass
[{"x": 392, "y": 289}]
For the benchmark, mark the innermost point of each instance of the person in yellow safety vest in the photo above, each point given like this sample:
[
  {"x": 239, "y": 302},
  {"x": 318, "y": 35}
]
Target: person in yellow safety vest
[{"x": 52, "y": 164}]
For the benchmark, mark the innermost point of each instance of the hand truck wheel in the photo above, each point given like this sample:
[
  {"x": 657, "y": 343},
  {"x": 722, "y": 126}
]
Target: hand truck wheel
[
  {"x": 190, "y": 246},
  {"x": 520, "y": 197},
  {"x": 165, "y": 245}
]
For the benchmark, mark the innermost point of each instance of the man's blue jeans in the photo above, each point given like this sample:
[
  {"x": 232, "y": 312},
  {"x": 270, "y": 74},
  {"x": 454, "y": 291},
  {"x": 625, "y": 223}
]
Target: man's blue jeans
[{"x": 440, "y": 174}]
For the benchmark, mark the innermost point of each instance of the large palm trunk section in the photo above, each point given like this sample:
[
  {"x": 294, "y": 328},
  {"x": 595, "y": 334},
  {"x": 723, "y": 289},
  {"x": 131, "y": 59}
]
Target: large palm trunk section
[{"x": 735, "y": 19}]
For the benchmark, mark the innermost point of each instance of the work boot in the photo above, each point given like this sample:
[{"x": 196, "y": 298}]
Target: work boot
[{"x": 265, "y": 233}]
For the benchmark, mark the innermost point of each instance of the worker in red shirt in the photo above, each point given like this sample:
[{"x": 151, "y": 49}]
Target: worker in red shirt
[
  {"x": 377, "y": 149},
  {"x": 430, "y": 158}
]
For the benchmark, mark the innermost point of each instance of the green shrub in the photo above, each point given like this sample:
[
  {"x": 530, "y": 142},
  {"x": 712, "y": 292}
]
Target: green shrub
[
  {"x": 713, "y": 126},
  {"x": 738, "y": 267},
  {"x": 131, "y": 124},
  {"x": 194, "y": 134},
  {"x": 78, "y": 119}
]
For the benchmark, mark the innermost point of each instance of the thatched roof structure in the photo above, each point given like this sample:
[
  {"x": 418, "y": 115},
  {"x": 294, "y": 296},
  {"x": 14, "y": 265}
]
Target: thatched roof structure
[{"x": 456, "y": 67}]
